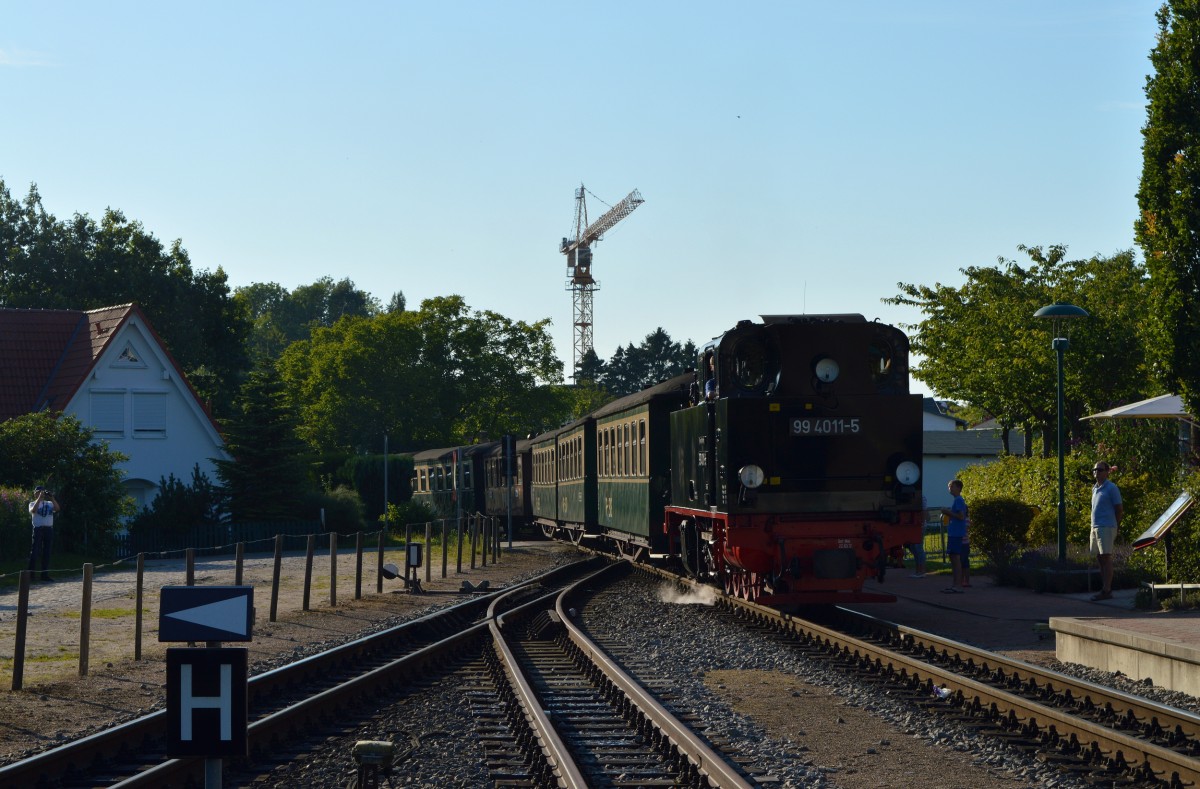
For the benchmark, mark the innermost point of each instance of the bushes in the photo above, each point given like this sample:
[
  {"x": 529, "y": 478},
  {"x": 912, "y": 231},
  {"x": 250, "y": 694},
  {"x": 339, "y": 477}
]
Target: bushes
[
  {"x": 343, "y": 509},
  {"x": 998, "y": 528},
  {"x": 400, "y": 515},
  {"x": 177, "y": 508}
]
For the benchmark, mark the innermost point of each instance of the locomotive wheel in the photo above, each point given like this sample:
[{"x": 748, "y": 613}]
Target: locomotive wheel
[{"x": 743, "y": 584}]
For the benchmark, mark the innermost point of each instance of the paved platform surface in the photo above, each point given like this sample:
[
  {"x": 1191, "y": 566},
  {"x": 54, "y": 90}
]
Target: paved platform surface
[{"x": 1001, "y": 618}]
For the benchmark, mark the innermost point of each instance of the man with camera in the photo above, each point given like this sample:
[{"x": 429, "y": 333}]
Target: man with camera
[{"x": 42, "y": 509}]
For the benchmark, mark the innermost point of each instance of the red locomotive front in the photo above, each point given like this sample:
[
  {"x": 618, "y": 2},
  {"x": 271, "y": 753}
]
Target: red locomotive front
[{"x": 799, "y": 469}]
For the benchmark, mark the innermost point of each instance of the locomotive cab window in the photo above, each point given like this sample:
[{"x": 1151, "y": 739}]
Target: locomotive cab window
[
  {"x": 879, "y": 361},
  {"x": 755, "y": 364}
]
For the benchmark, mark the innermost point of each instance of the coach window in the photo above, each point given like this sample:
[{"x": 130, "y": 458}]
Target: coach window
[
  {"x": 626, "y": 429},
  {"x": 642, "y": 464},
  {"x": 601, "y": 446},
  {"x": 608, "y": 439}
]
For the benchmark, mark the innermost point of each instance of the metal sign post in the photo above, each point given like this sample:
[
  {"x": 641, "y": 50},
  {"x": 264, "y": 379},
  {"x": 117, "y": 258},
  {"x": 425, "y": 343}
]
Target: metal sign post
[{"x": 207, "y": 698}]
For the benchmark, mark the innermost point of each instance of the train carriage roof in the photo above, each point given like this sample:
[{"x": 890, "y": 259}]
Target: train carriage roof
[
  {"x": 444, "y": 453},
  {"x": 680, "y": 384}
]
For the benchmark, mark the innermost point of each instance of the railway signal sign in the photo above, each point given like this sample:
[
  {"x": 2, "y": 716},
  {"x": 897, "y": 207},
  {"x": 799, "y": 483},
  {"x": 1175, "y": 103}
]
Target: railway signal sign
[
  {"x": 206, "y": 613},
  {"x": 206, "y": 702}
]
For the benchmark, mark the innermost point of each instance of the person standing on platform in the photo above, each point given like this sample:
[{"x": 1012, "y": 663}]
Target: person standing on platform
[
  {"x": 42, "y": 510},
  {"x": 956, "y": 533},
  {"x": 1107, "y": 511}
]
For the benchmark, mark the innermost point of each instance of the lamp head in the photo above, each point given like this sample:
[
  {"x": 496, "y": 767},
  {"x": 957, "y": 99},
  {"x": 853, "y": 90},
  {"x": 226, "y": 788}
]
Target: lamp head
[{"x": 1060, "y": 311}]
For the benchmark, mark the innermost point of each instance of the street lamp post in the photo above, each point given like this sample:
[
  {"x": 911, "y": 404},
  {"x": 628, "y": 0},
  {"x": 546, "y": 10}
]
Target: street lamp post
[{"x": 1057, "y": 312}]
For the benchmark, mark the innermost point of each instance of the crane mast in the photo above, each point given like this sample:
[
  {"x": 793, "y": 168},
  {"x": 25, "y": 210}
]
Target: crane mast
[{"x": 579, "y": 264}]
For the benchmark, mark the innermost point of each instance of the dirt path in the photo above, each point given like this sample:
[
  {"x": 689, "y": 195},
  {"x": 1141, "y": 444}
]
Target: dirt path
[{"x": 57, "y": 703}]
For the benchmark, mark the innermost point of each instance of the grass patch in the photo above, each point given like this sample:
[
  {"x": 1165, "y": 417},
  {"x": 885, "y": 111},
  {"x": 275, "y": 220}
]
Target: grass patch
[{"x": 104, "y": 613}]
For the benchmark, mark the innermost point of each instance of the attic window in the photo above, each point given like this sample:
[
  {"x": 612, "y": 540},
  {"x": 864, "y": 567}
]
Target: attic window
[{"x": 128, "y": 357}]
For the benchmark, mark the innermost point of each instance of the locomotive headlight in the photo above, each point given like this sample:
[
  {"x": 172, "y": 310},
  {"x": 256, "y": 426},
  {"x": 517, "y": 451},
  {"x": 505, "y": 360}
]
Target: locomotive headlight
[
  {"x": 826, "y": 370},
  {"x": 751, "y": 476},
  {"x": 908, "y": 473}
]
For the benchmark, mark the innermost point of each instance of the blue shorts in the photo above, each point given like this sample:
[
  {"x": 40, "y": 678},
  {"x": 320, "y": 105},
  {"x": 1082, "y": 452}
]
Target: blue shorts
[{"x": 955, "y": 545}]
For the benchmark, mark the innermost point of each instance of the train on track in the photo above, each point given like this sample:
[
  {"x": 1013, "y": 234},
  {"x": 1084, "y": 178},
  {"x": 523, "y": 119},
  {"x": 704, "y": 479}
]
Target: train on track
[{"x": 786, "y": 469}]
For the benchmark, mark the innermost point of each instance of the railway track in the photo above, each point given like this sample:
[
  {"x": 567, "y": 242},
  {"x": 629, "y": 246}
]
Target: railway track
[
  {"x": 596, "y": 725},
  {"x": 286, "y": 702},
  {"x": 1086, "y": 730}
]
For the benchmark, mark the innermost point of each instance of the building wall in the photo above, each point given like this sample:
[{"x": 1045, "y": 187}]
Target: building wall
[
  {"x": 136, "y": 401},
  {"x": 937, "y": 472}
]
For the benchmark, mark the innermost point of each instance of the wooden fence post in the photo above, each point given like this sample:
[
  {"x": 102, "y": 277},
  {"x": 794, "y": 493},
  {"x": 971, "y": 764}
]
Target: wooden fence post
[
  {"x": 473, "y": 529},
  {"x": 333, "y": 537},
  {"x": 137, "y": 603},
  {"x": 22, "y": 620},
  {"x": 239, "y": 556},
  {"x": 190, "y": 553},
  {"x": 85, "y": 620},
  {"x": 458, "y": 568},
  {"x": 379, "y": 564},
  {"x": 428, "y": 551},
  {"x": 358, "y": 551},
  {"x": 445, "y": 548},
  {"x": 275, "y": 576},
  {"x": 310, "y": 548}
]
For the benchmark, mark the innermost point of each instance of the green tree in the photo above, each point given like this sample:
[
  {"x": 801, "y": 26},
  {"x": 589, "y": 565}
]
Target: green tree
[
  {"x": 658, "y": 358},
  {"x": 268, "y": 477},
  {"x": 591, "y": 368},
  {"x": 443, "y": 374},
  {"x": 981, "y": 344},
  {"x": 280, "y": 317},
  {"x": 1169, "y": 199},
  {"x": 58, "y": 452}
]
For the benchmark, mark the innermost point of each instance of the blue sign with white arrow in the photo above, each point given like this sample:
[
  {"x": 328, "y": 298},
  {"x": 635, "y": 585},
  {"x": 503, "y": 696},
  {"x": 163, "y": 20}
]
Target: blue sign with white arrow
[{"x": 206, "y": 613}]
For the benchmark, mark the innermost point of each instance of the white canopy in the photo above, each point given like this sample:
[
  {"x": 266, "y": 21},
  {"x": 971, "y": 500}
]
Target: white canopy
[{"x": 1161, "y": 407}]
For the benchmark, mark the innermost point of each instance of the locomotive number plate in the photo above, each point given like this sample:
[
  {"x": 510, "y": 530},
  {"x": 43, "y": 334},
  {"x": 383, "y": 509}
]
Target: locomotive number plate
[{"x": 825, "y": 426}]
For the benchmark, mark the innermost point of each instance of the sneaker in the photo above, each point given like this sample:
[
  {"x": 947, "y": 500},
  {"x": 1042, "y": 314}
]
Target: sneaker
[{"x": 917, "y": 575}]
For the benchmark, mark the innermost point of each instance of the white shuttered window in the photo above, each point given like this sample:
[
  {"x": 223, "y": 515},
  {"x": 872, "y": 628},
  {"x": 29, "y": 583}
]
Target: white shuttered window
[
  {"x": 149, "y": 414},
  {"x": 108, "y": 413}
]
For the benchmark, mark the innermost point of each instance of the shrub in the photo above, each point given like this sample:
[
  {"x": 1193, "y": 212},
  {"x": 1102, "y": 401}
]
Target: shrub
[
  {"x": 1043, "y": 529},
  {"x": 998, "y": 528},
  {"x": 401, "y": 515},
  {"x": 1191, "y": 600},
  {"x": 177, "y": 508},
  {"x": 343, "y": 509}
]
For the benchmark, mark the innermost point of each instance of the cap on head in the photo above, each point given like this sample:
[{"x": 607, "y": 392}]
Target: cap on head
[{"x": 38, "y": 488}]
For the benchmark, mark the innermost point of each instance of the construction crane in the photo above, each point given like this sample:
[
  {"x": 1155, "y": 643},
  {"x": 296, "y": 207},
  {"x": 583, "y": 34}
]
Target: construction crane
[{"x": 579, "y": 264}]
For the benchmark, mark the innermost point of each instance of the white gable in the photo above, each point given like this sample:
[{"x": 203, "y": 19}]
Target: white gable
[{"x": 136, "y": 401}]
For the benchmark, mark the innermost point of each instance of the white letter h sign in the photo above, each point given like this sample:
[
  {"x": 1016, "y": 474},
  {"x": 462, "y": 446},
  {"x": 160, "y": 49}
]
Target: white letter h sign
[{"x": 188, "y": 702}]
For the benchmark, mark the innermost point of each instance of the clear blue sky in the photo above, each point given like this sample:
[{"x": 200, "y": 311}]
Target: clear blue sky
[{"x": 794, "y": 156}]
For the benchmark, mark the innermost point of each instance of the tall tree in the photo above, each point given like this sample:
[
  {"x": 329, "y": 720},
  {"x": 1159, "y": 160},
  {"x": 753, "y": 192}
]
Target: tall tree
[
  {"x": 658, "y": 358},
  {"x": 1168, "y": 228},
  {"x": 982, "y": 345},
  {"x": 590, "y": 369},
  {"x": 268, "y": 477},
  {"x": 443, "y": 374},
  {"x": 280, "y": 317}
]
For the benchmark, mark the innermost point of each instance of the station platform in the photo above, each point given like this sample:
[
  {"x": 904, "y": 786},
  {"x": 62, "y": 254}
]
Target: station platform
[{"x": 1109, "y": 635}]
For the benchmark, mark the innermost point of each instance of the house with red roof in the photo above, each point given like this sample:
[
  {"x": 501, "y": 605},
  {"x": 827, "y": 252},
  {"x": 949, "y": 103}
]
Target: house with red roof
[{"x": 109, "y": 369}]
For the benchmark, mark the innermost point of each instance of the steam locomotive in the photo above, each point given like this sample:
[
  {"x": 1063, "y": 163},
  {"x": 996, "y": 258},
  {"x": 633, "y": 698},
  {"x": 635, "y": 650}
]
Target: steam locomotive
[{"x": 785, "y": 469}]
